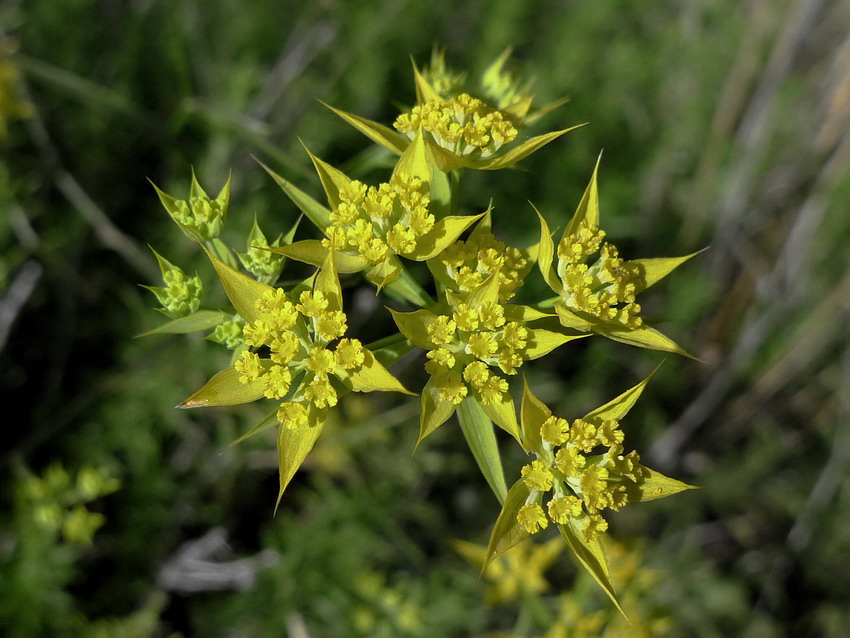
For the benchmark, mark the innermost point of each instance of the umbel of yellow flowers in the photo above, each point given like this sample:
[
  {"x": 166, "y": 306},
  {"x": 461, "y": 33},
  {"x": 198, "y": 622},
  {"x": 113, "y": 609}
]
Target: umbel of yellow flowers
[{"x": 292, "y": 346}]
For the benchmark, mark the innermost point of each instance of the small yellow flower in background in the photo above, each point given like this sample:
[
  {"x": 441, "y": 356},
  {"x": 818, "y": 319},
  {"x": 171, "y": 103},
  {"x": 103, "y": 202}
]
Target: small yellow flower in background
[{"x": 200, "y": 217}]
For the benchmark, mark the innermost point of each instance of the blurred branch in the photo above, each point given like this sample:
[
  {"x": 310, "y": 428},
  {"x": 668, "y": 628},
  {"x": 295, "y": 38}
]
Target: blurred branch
[{"x": 17, "y": 294}]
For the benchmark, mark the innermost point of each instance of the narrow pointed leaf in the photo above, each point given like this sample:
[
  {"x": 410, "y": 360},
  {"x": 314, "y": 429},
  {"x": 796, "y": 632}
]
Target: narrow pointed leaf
[
  {"x": 533, "y": 413},
  {"x": 407, "y": 289},
  {"x": 486, "y": 292},
  {"x": 591, "y": 556},
  {"x": 372, "y": 376},
  {"x": 523, "y": 314},
  {"x": 200, "y": 320},
  {"x": 269, "y": 421},
  {"x": 293, "y": 446},
  {"x": 414, "y": 326},
  {"x": 316, "y": 213},
  {"x": 424, "y": 91},
  {"x": 435, "y": 411},
  {"x": 517, "y": 153},
  {"x": 545, "y": 110},
  {"x": 619, "y": 406},
  {"x": 224, "y": 388},
  {"x": 478, "y": 431},
  {"x": 485, "y": 226},
  {"x": 644, "y": 337},
  {"x": 390, "y": 349},
  {"x": 223, "y": 197},
  {"x": 507, "y": 532},
  {"x": 311, "y": 251},
  {"x": 444, "y": 233},
  {"x": 414, "y": 161},
  {"x": 242, "y": 290},
  {"x": 653, "y": 270},
  {"x": 378, "y": 133},
  {"x": 333, "y": 180},
  {"x": 588, "y": 207},
  {"x": 541, "y": 342},
  {"x": 503, "y": 414},
  {"x": 328, "y": 282},
  {"x": 195, "y": 189},
  {"x": 546, "y": 255},
  {"x": 519, "y": 109},
  {"x": 385, "y": 272},
  {"x": 569, "y": 319},
  {"x": 653, "y": 485},
  {"x": 445, "y": 160}
]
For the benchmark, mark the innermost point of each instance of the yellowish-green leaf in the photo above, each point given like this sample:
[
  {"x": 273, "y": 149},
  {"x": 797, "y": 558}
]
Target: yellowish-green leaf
[
  {"x": 533, "y": 413},
  {"x": 644, "y": 337},
  {"x": 269, "y": 421},
  {"x": 378, "y": 133},
  {"x": 503, "y": 414},
  {"x": 507, "y": 532},
  {"x": 424, "y": 91},
  {"x": 242, "y": 290},
  {"x": 407, "y": 289},
  {"x": 569, "y": 319},
  {"x": 485, "y": 226},
  {"x": 328, "y": 282},
  {"x": 435, "y": 411},
  {"x": 523, "y": 314},
  {"x": 517, "y": 153},
  {"x": 444, "y": 233},
  {"x": 486, "y": 292},
  {"x": 293, "y": 446},
  {"x": 546, "y": 255},
  {"x": 333, "y": 180},
  {"x": 385, "y": 272},
  {"x": 224, "y": 388},
  {"x": 371, "y": 377},
  {"x": 545, "y": 110},
  {"x": 223, "y": 197},
  {"x": 195, "y": 188},
  {"x": 653, "y": 485},
  {"x": 541, "y": 342},
  {"x": 311, "y": 251},
  {"x": 200, "y": 320},
  {"x": 315, "y": 212},
  {"x": 588, "y": 207},
  {"x": 444, "y": 160},
  {"x": 653, "y": 270},
  {"x": 414, "y": 326},
  {"x": 592, "y": 557},
  {"x": 441, "y": 192},
  {"x": 619, "y": 406},
  {"x": 478, "y": 432},
  {"x": 519, "y": 109},
  {"x": 414, "y": 161}
]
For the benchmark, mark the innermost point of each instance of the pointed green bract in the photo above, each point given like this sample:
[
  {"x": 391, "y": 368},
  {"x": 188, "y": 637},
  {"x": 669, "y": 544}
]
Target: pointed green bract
[
  {"x": 444, "y": 233},
  {"x": 503, "y": 414},
  {"x": 269, "y": 421},
  {"x": 571, "y": 320},
  {"x": 200, "y": 320},
  {"x": 414, "y": 161},
  {"x": 435, "y": 411},
  {"x": 370, "y": 377},
  {"x": 619, "y": 406},
  {"x": 224, "y": 388},
  {"x": 478, "y": 432},
  {"x": 424, "y": 91},
  {"x": 414, "y": 326},
  {"x": 487, "y": 292},
  {"x": 311, "y": 251},
  {"x": 546, "y": 255},
  {"x": 315, "y": 212},
  {"x": 333, "y": 180},
  {"x": 588, "y": 207},
  {"x": 523, "y": 314},
  {"x": 407, "y": 289},
  {"x": 533, "y": 412},
  {"x": 507, "y": 532},
  {"x": 541, "y": 342},
  {"x": 517, "y": 153},
  {"x": 242, "y": 290},
  {"x": 385, "y": 272},
  {"x": 591, "y": 556},
  {"x": 654, "y": 270},
  {"x": 328, "y": 282},
  {"x": 293, "y": 446},
  {"x": 653, "y": 485},
  {"x": 378, "y": 133},
  {"x": 644, "y": 337}
]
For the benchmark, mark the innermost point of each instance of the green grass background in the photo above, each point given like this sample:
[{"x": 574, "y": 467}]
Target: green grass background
[{"x": 723, "y": 124}]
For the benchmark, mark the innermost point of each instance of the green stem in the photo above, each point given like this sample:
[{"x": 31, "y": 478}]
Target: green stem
[
  {"x": 478, "y": 431},
  {"x": 454, "y": 188}
]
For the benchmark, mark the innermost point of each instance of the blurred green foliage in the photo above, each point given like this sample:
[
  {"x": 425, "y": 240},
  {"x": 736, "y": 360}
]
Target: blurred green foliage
[{"x": 722, "y": 123}]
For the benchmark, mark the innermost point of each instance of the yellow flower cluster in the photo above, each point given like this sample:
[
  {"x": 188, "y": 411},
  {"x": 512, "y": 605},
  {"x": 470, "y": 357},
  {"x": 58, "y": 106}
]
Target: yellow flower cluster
[
  {"x": 377, "y": 221},
  {"x": 297, "y": 336},
  {"x": 462, "y": 124},
  {"x": 470, "y": 341},
  {"x": 582, "y": 486},
  {"x": 607, "y": 288},
  {"x": 471, "y": 262},
  {"x": 201, "y": 214}
]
